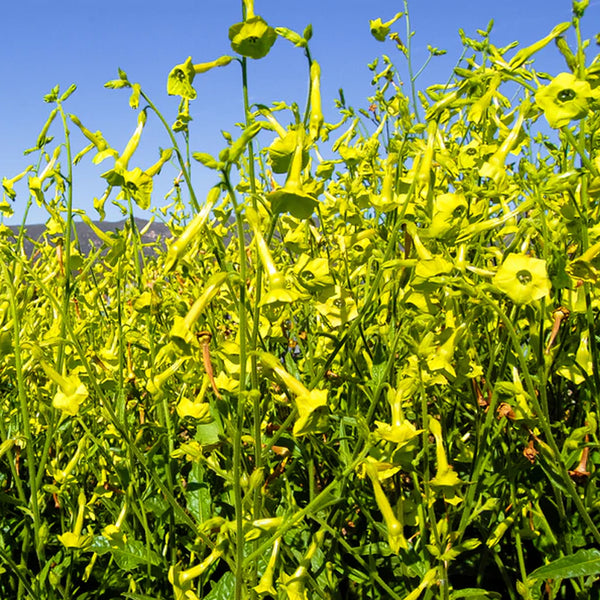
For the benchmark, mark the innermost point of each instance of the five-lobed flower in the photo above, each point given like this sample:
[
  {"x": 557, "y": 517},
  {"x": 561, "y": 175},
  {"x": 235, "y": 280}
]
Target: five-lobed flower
[
  {"x": 522, "y": 278},
  {"x": 566, "y": 98}
]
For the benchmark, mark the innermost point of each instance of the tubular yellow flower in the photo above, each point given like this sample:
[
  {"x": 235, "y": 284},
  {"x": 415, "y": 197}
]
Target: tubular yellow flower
[
  {"x": 265, "y": 585},
  {"x": 132, "y": 144},
  {"x": 71, "y": 392},
  {"x": 253, "y": 37},
  {"x": 316, "y": 112},
  {"x": 180, "y": 79},
  {"x": 74, "y": 539},
  {"x": 183, "y": 581},
  {"x": 311, "y": 404},
  {"x": 395, "y": 528},
  {"x": 291, "y": 197},
  {"x": 565, "y": 99},
  {"x": 8, "y": 184},
  {"x": 104, "y": 150},
  {"x": 523, "y": 278},
  {"x": 495, "y": 168},
  {"x": 379, "y": 29},
  {"x": 182, "y": 327}
]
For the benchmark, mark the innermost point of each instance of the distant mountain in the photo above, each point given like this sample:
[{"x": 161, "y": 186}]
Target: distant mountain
[{"x": 88, "y": 238}]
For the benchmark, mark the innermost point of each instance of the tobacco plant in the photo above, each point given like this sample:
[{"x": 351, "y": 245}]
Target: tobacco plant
[{"x": 365, "y": 365}]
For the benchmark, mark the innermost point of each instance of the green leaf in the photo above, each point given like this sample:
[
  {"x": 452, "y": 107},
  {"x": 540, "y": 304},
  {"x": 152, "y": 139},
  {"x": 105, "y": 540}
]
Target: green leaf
[
  {"x": 224, "y": 588},
  {"x": 128, "y": 554},
  {"x": 583, "y": 563},
  {"x": 474, "y": 594},
  {"x": 197, "y": 493},
  {"x": 206, "y": 159}
]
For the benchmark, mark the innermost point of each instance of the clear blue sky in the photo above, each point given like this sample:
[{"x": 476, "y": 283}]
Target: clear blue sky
[{"x": 45, "y": 43}]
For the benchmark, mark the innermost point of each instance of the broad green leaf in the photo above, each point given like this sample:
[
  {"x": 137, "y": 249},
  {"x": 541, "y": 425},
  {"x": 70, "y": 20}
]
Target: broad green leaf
[
  {"x": 223, "y": 589},
  {"x": 198, "y": 494},
  {"x": 129, "y": 554},
  {"x": 474, "y": 594},
  {"x": 583, "y": 563}
]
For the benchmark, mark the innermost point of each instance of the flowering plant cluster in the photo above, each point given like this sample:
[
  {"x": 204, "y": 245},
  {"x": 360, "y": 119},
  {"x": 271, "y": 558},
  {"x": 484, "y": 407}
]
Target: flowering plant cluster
[{"x": 365, "y": 365}]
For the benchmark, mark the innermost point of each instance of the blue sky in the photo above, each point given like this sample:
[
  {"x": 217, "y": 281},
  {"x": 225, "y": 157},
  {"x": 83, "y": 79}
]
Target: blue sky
[{"x": 46, "y": 43}]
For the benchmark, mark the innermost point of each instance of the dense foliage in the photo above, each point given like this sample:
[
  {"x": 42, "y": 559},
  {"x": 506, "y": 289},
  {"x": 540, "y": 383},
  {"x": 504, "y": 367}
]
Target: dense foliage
[{"x": 364, "y": 366}]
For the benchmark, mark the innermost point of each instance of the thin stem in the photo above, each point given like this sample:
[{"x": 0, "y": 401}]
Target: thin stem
[
  {"x": 25, "y": 415},
  {"x": 182, "y": 163},
  {"x": 412, "y": 78},
  {"x": 239, "y": 409}
]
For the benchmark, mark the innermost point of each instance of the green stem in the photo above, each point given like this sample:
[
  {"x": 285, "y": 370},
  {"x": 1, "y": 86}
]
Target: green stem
[
  {"x": 25, "y": 415},
  {"x": 412, "y": 78},
  {"x": 254, "y": 383},
  {"x": 239, "y": 409},
  {"x": 182, "y": 163}
]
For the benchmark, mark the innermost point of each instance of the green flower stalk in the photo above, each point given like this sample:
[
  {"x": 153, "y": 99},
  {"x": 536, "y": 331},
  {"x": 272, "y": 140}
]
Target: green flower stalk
[
  {"x": 523, "y": 279},
  {"x": 311, "y": 404},
  {"x": 316, "y": 111},
  {"x": 253, "y": 37},
  {"x": 565, "y": 99}
]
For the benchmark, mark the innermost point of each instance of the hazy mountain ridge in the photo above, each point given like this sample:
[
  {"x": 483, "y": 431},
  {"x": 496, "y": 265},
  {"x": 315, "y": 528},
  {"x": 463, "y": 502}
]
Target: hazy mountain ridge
[{"x": 88, "y": 239}]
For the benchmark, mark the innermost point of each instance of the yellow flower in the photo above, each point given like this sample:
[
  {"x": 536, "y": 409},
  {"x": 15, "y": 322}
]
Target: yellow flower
[
  {"x": 523, "y": 278},
  {"x": 196, "y": 410},
  {"x": 70, "y": 395},
  {"x": 181, "y": 77},
  {"x": 380, "y": 30},
  {"x": 253, "y": 38},
  {"x": 565, "y": 99}
]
